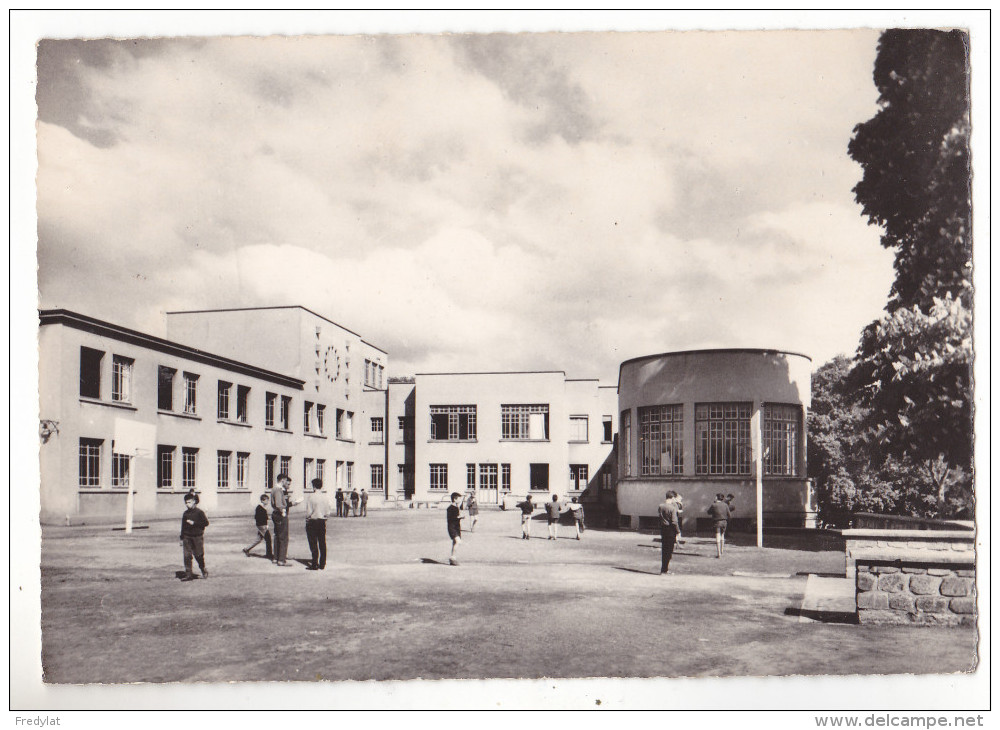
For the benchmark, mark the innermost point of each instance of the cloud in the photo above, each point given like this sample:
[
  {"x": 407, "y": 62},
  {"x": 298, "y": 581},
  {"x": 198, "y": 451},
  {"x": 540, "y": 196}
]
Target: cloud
[{"x": 536, "y": 201}]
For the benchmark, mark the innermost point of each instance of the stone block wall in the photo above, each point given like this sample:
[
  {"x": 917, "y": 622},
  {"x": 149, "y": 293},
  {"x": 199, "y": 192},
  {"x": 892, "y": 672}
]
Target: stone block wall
[{"x": 900, "y": 592}]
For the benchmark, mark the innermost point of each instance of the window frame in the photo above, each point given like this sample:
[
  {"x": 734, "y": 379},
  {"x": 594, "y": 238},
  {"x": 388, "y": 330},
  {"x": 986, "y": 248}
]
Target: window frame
[
  {"x": 165, "y": 476},
  {"x": 661, "y": 425},
  {"x": 223, "y": 471},
  {"x": 191, "y": 393},
  {"x": 438, "y": 477},
  {"x": 722, "y": 438},
  {"x": 89, "y": 380},
  {"x": 122, "y": 376},
  {"x": 454, "y": 420},
  {"x": 574, "y": 423},
  {"x": 90, "y": 454},
  {"x": 515, "y": 421},
  {"x": 781, "y": 428},
  {"x": 189, "y": 467}
]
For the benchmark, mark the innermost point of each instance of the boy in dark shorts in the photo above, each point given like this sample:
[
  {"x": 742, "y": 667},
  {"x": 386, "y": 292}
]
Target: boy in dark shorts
[
  {"x": 719, "y": 512},
  {"x": 454, "y": 525},
  {"x": 263, "y": 534},
  {"x": 193, "y": 524}
]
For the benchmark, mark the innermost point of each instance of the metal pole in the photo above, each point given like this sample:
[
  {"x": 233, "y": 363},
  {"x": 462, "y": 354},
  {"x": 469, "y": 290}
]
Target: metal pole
[
  {"x": 757, "y": 450},
  {"x": 129, "y": 500}
]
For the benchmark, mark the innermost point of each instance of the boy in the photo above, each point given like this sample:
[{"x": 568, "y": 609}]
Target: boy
[
  {"x": 472, "y": 506},
  {"x": 720, "y": 514},
  {"x": 669, "y": 529},
  {"x": 364, "y": 502},
  {"x": 454, "y": 525},
  {"x": 317, "y": 510},
  {"x": 577, "y": 509},
  {"x": 281, "y": 504},
  {"x": 552, "y": 509},
  {"x": 193, "y": 524},
  {"x": 526, "y": 507},
  {"x": 263, "y": 534}
]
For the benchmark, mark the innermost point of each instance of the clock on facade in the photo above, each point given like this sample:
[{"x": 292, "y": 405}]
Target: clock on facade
[{"x": 331, "y": 363}]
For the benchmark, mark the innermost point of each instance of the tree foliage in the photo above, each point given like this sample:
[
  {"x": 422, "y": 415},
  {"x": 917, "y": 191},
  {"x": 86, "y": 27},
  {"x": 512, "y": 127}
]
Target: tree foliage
[
  {"x": 891, "y": 430},
  {"x": 915, "y": 156}
]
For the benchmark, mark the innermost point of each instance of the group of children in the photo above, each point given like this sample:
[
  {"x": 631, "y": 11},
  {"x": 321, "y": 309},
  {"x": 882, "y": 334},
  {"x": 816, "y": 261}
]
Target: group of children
[
  {"x": 194, "y": 522},
  {"x": 351, "y": 501}
]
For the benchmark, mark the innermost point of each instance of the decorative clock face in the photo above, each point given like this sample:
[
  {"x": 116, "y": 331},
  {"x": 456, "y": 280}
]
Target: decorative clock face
[{"x": 331, "y": 363}]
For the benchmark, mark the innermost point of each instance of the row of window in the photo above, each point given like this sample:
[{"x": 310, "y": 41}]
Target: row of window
[
  {"x": 517, "y": 422},
  {"x": 232, "y": 401},
  {"x": 721, "y": 439},
  {"x": 374, "y": 374},
  {"x": 493, "y": 476},
  {"x": 232, "y": 470}
]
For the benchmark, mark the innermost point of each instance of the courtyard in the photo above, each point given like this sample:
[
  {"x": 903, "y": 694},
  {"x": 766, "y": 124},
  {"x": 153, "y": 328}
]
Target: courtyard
[{"x": 389, "y": 607}]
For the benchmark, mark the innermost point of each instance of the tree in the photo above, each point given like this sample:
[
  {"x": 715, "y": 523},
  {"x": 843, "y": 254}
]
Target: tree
[
  {"x": 915, "y": 156},
  {"x": 912, "y": 371}
]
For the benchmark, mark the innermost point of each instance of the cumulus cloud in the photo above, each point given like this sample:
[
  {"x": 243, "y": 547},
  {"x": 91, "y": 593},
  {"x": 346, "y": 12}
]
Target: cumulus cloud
[{"x": 556, "y": 201}]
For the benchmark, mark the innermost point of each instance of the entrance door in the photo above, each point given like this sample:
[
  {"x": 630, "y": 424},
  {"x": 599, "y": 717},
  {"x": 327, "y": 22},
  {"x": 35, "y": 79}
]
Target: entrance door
[{"x": 488, "y": 492}]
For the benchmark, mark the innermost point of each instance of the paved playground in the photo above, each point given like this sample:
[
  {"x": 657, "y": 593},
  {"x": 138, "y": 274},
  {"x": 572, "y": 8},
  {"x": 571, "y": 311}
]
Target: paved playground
[{"x": 389, "y": 607}]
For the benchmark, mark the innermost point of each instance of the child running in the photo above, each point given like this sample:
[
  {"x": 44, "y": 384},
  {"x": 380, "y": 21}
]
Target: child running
[{"x": 526, "y": 507}]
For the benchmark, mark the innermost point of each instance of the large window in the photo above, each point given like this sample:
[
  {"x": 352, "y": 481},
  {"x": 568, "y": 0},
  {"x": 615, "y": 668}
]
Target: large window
[
  {"x": 345, "y": 425},
  {"x": 165, "y": 388},
  {"x": 505, "y": 477},
  {"x": 224, "y": 390},
  {"x": 190, "y": 393},
  {"x": 225, "y": 460},
  {"x": 90, "y": 462},
  {"x": 722, "y": 438},
  {"x": 488, "y": 476},
  {"x": 625, "y": 445},
  {"x": 439, "y": 477},
  {"x": 286, "y": 467},
  {"x": 270, "y": 464},
  {"x": 539, "y": 477},
  {"x": 165, "y": 467},
  {"x": 121, "y": 379},
  {"x": 90, "y": 372},
  {"x": 578, "y": 429},
  {"x": 781, "y": 439},
  {"x": 524, "y": 422},
  {"x": 578, "y": 476},
  {"x": 120, "y": 478},
  {"x": 242, "y": 470},
  {"x": 378, "y": 478},
  {"x": 242, "y": 403},
  {"x": 307, "y": 416},
  {"x": 378, "y": 430},
  {"x": 283, "y": 413},
  {"x": 453, "y": 423},
  {"x": 661, "y": 441},
  {"x": 189, "y": 467},
  {"x": 270, "y": 401}
]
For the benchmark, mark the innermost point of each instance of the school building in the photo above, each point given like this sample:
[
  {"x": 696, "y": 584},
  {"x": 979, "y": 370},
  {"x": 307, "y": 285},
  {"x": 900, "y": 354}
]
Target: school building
[
  {"x": 501, "y": 434},
  {"x": 708, "y": 421},
  {"x": 233, "y": 397}
]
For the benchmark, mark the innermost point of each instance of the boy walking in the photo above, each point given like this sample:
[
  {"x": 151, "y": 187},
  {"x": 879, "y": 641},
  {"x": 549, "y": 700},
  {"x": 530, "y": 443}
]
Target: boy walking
[
  {"x": 317, "y": 510},
  {"x": 526, "y": 507},
  {"x": 193, "y": 524},
  {"x": 720, "y": 514},
  {"x": 552, "y": 510},
  {"x": 263, "y": 534},
  {"x": 454, "y": 525}
]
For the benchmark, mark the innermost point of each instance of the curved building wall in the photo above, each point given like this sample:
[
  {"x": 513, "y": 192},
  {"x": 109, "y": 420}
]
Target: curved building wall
[{"x": 687, "y": 423}]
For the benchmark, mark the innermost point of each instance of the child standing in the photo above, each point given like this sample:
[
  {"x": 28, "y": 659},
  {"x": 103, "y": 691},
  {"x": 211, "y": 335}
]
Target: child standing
[
  {"x": 454, "y": 525},
  {"x": 473, "y": 508},
  {"x": 193, "y": 524},
  {"x": 263, "y": 534}
]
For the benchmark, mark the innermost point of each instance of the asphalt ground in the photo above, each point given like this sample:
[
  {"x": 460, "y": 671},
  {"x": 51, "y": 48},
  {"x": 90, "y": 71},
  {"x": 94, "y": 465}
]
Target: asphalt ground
[{"x": 389, "y": 607}]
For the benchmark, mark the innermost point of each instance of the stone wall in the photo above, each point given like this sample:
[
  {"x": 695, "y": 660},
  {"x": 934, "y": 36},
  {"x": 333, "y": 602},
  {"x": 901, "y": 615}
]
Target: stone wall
[
  {"x": 913, "y": 576},
  {"x": 899, "y": 592}
]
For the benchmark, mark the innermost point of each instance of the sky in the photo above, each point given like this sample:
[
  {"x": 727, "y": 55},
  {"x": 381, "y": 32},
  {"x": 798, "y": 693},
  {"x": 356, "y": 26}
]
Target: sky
[{"x": 469, "y": 202}]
